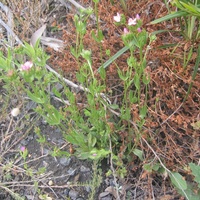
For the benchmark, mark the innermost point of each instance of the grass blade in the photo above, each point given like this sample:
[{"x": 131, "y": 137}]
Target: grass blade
[
  {"x": 196, "y": 66},
  {"x": 170, "y": 16},
  {"x": 118, "y": 54}
]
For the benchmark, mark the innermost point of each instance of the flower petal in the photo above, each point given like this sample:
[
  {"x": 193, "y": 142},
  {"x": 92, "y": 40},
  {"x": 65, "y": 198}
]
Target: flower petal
[
  {"x": 131, "y": 21},
  {"x": 117, "y": 18}
]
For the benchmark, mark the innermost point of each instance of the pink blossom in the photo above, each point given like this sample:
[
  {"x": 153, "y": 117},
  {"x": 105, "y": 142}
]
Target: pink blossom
[
  {"x": 137, "y": 17},
  {"x": 139, "y": 30},
  {"x": 22, "y": 148},
  {"x": 132, "y": 21},
  {"x": 26, "y": 66},
  {"x": 117, "y": 18},
  {"x": 126, "y": 31}
]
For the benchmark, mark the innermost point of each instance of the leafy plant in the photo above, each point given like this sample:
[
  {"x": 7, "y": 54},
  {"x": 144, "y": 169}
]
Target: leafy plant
[
  {"x": 189, "y": 11},
  {"x": 190, "y": 190},
  {"x": 187, "y": 189},
  {"x": 80, "y": 24}
]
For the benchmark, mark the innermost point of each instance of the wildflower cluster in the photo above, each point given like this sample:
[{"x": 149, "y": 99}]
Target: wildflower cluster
[
  {"x": 26, "y": 66},
  {"x": 134, "y": 24}
]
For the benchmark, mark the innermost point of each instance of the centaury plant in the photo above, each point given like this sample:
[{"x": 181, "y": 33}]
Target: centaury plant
[
  {"x": 91, "y": 124},
  {"x": 137, "y": 40}
]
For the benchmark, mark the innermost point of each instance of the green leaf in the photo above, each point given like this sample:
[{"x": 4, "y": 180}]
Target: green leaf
[
  {"x": 188, "y": 7},
  {"x": 122, "y": 76},
  {"x": 143, "y": 112},
  {"x": 139, "y": 154},
  {"x": 114, "y": 106},
  {"x": 146, "y": 79},
  {"x": 6, "y": 63},
  {"x": 53, "y": 116},
  {"x": 29, "y": 50},
  {"x": 81, "y": 78},
  {"x": 125, "y": 113},
  {"x": 41, "y": 139},
  {"x": 118, "y": 54},
  {"x": 97, "y": 154},
  {"x": 178, "y": 180},
  {"x": 196, "y": 67},
  {"x": 131, "y": 61},
  {"x": 102, "y": 73},
  {"x": 170, "y": 16},
  {"x": 3, "y": 64},
  {"x": 91, "y": 140},
  {"x": 196, "y": 172},
  {"x": 147, "y": 167},
  {"x": 87, "y": 113},
  {"x": 152, "y": 167},
  {"x": 156, "y": 166},
  {"x": 196, "y": 125},
  {"x": 132, "y": 97},
  {"x": 137, "y": 81},
  {"x": 99, "y": 36},
  {"x": 37, "y": 97},
  {"x": 56, "y": 92},
  {"x": 190, "y": 193}
]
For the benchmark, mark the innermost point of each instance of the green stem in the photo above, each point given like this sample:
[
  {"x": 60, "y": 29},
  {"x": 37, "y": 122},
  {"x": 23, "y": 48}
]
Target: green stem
[{"x": 77, "y": 43}]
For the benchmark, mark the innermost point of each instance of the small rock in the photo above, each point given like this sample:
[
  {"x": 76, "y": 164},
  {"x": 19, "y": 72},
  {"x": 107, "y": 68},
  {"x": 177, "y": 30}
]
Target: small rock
[
  {"x": 61, "y": 142},
  {"x": 45, "y": 164},
  {"x": 50, "y": 183},
  {"x": 31, "y": 105},
  {"x": 73, "y": 194},
  {"x": 45, "y": 151},
  {"x": 24, "y": 142},
  {"x": 88, "y": 188},
  {"x": 71, "y": 171},
  {"x": 112, "y": 182},
  {"x": 80, "y": 198},
  {"x": 65, "y": 161},
  {"x": 66, "y": 191},
  {"x": 30, "y": 138},
  {"x": 57, "y": 130},
  {"x": 58, "y": 86},
  {"x": 107, "y": 182},
  {"x": 109, "y": 197},
  {"x": 103, "y": 194},
  {"x": 84, "y": 169}
]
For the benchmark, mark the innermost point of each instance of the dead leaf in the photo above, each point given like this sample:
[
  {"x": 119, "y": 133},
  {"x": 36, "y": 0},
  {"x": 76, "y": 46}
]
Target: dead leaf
[
  {"x": 112, "y": 191},
  {"x": 37, "y": 34},
  {"x": 54, "y": 43}
]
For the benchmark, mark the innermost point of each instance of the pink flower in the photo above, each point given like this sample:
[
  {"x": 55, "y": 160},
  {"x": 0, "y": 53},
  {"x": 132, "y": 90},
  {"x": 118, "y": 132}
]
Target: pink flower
[
  {"x": 131, "y": 21},
  {"x": 26, "y": 66},
  {"x": 139, "y": 30},
  {"x": 23, "y": 148},
  {"x": 117, "y": 18},
  {"x": 126, "y": 31},
  {"x": 137, "y": 17}
]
